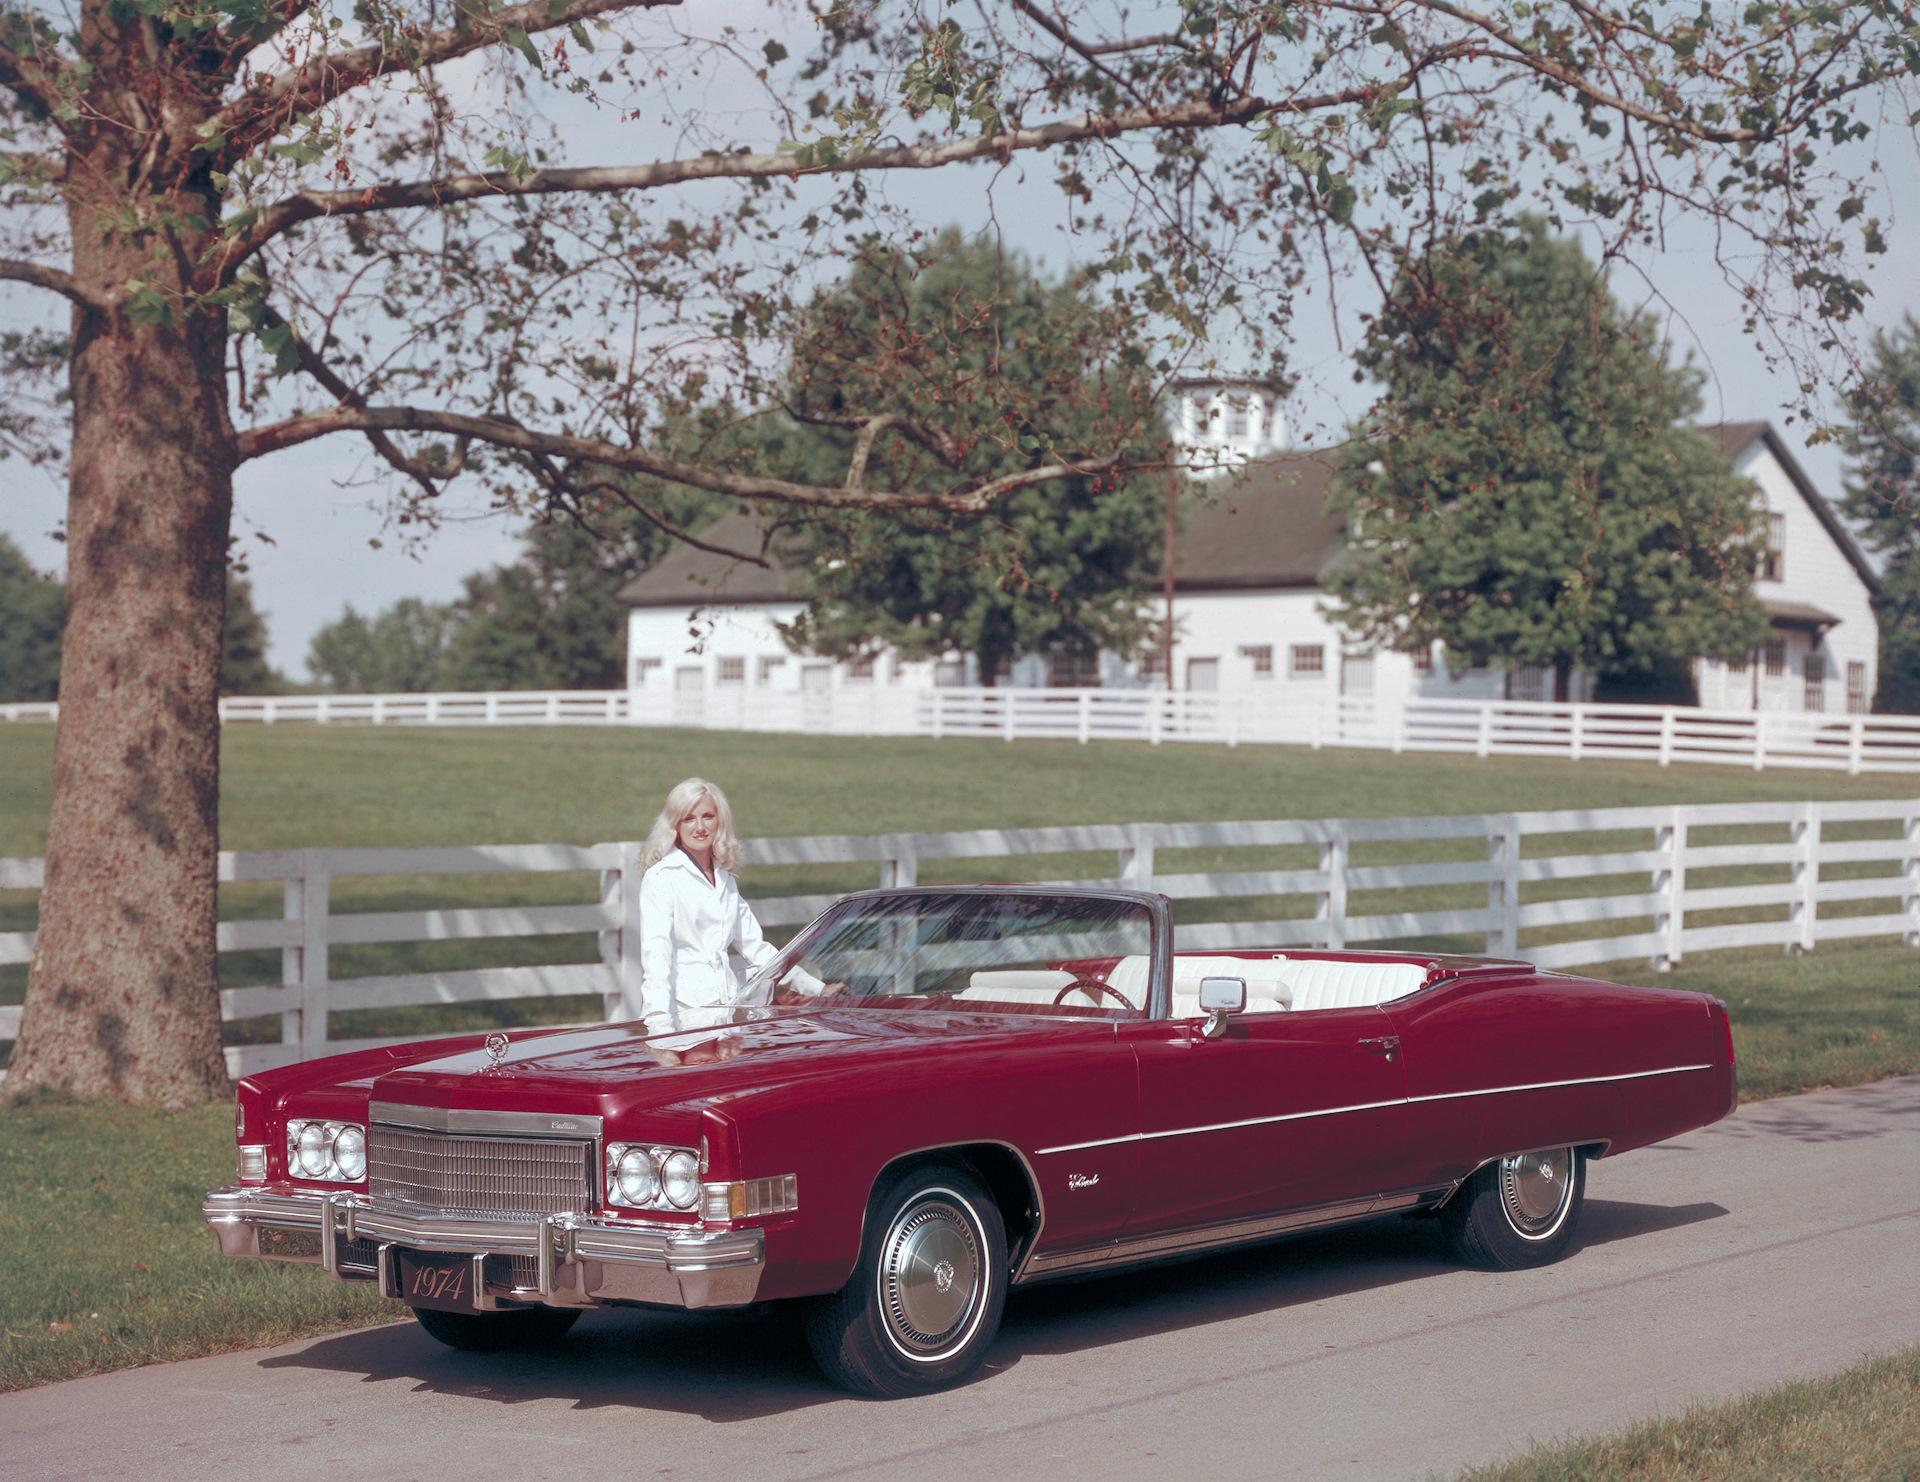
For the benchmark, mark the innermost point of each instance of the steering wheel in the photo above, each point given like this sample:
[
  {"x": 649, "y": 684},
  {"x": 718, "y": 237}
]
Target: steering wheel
[{"x": 1093, "y": 986}]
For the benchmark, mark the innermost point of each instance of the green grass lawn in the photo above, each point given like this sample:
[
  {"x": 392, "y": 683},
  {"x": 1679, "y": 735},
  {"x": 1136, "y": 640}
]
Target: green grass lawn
[
  {"x": 303, "y": 786},
  {"x": 1862, "y": 1425},
  {"x": 105, "y": 1262}
]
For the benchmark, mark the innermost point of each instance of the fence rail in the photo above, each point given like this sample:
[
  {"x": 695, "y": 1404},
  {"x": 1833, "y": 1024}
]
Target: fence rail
[
  {"x": 1664, "y": 734},
  {"x": 1562, "y": 889}
]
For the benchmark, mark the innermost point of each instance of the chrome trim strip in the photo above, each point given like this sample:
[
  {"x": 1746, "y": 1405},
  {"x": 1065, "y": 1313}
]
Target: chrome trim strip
[
  {"x": 1590, "y": 1080},
  {"x": 1206, "y": 1237},
  {"x": 1334, "y": 1111},
  {"x": 458, "y": 1119}
]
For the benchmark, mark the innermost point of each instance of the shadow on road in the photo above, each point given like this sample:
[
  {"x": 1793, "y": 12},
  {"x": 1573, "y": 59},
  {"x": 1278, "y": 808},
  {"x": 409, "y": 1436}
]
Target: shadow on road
[{"x": 727, "y": 1367}]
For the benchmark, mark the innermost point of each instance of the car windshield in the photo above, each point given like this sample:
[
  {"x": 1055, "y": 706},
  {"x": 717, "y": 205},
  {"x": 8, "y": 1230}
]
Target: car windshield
[{"x": 1032, "y": 952}]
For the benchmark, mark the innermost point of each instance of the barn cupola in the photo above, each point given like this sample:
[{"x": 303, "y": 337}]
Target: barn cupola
[{"x": 1223, "y": 423}]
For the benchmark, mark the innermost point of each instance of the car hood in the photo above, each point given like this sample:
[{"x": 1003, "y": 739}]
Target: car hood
[{"x": 610, "y": 1068}]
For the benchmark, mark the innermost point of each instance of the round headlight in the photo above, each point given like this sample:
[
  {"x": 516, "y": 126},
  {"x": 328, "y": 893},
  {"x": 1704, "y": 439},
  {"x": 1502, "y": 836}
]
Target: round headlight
[
  {"x": 315, "y": 1149},
  {"x": 634, "y": 1175},
  {"x": 350, "y": 1153},
  {"x": 680, "y": 1180}
]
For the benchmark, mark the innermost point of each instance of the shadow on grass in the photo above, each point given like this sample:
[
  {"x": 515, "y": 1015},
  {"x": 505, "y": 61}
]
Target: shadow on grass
[{"x": 738, "y": 1366}]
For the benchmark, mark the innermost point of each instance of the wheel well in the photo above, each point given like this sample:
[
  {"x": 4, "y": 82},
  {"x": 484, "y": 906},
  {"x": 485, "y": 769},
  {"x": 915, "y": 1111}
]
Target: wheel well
[{"x": 1004, "y": 1172}]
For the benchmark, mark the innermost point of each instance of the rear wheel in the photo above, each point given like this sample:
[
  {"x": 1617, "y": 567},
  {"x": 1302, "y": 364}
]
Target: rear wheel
[
  {"x": 925, "y": 1301},
  {"x": 1517, "y": 1212},
  {"x": 490, "y": 1332}
]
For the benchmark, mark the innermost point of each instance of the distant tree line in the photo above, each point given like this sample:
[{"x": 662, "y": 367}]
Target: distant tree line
[
  {"x": 1883, "y": 499},
  {"x": 33, "y": 617}
]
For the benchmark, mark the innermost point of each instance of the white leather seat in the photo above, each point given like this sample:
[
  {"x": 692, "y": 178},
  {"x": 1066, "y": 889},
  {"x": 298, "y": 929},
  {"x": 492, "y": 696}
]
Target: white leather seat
[
  {"x": 1016, "y": 985},
  {"x": 1302, "y": 985},
  {"x": 1350, "y": 985},
  {"x": 1267, "y": 989}
]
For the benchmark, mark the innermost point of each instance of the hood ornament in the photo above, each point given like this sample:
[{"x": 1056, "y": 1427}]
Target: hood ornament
[{"x": 496, "y": 1050}]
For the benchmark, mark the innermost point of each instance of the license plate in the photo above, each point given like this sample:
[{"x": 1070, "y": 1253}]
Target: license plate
[{"x": 441, "y": 1282}]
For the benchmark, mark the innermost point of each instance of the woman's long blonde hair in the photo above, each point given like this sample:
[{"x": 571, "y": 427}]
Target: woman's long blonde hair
[{"x": 684, "y": 798}]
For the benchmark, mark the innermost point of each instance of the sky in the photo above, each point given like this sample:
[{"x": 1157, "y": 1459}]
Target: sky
[{"x": 312, "y": 520}]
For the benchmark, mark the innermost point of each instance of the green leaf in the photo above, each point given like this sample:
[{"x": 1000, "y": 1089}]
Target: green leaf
[
  {"x": 580, "y": 38},
  {"x": 517, "y": 39},
  {"x": 776, "y": 53}
]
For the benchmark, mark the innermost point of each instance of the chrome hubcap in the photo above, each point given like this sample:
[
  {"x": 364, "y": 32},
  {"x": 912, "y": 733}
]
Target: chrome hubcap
[
  {"x": 1535, "y": 1189},
  {"x": 930, "y": 1276}
]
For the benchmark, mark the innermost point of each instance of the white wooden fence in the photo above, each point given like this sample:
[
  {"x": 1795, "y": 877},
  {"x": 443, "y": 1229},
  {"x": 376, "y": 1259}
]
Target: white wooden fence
[
  {"x": 1549, "y": 896},
  {"x": 1666, "y": 734}
]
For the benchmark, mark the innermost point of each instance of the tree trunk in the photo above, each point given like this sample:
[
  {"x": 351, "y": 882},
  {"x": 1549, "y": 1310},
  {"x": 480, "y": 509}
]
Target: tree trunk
[
  {"x": 1562, "y": 683},
  {"x": 122, "y": 999}
]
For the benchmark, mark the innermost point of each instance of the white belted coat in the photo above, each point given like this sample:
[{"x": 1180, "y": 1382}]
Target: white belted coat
[{"x": 687, "y": 925}]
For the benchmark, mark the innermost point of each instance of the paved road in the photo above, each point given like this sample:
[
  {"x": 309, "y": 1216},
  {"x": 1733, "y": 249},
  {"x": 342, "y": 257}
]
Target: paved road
[{"x": 1783, "y": 1242}]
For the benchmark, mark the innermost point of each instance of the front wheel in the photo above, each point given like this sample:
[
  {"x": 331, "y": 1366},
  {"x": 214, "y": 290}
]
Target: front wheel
[
  {"x": 491, "y": 1332},
  {"x": 925, "y": 1301},
  {"x": 1517, "y": 1212}
]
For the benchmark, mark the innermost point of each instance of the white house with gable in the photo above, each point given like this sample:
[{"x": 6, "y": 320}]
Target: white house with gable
[{"x": 1249, "y": 608}]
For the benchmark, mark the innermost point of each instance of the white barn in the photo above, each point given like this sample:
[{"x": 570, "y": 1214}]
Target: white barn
[{"x": 1249, "y": 609}]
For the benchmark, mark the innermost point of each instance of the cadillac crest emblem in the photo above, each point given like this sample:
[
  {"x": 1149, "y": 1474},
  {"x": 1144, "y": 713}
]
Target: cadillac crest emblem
[{"x": 496, "y": 1049}]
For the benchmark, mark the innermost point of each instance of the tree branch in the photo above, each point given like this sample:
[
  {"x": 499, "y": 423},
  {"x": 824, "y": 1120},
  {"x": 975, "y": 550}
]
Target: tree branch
[
  {"x": 30, "y": 77},
  {"x": 1517, "y": 54},
  {"x": 247, "y": 119},
  {"x": 421, "y": 470},
  {"x": 503, "y": 433},
  {"x": 53, "y": 280},
  {"x": 308, "y": 204},
  {"x": 661, "y": 523}
]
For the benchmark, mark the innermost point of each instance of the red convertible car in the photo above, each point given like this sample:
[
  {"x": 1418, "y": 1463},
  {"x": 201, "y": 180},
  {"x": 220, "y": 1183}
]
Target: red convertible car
[{"x": 940, "y": 1094}]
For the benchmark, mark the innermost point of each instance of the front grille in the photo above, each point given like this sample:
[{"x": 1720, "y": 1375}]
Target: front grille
[{"x": 486, "y": 1177}]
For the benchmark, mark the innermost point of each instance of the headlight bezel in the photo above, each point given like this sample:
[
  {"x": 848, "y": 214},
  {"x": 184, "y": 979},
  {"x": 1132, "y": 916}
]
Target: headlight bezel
[
  {"x": 326, "y": 1138},
  {"x": 657, "y": 1156}
]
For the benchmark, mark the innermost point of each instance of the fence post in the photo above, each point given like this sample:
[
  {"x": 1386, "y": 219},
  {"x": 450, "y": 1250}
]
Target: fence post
[
  {"x": 1856, "y": 745},
  {"x": 1576, "y": 742},
  {"x": 1006, "y": 710},
  {"x": 1136, "y": 857},
  {"x": 610, "y": 936},
  {"x": 1666, "y": 736},
  {"x": 293, "y": 899},
  {"x": 1806, "y": 877},
  {"x": 493, "y": 708},
  {"x": 1912, "y": 872},
  {"x": 1669, "y": 890},
  {"x": 630, "y": 1004},
  {"x": 320, "y": 712},
  {"x": 1154, "y": 707},
  {"x": 1330, "y": 911},
  {"x": 899, "y": 866},
  {"x": 1319, "y": 714},
  {"x": 1483, "y": 744},
  {"x": 1503, "y": 885},
  {"x": 314, "y": 906},
  {"x": 1086, "y": 716},
  {"x": 1759, "y": 740},
  {"x": 1400, "y": 728}
]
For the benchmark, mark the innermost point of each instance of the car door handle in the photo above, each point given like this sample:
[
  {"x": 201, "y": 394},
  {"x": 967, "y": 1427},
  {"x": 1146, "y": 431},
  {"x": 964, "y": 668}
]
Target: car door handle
[{"x": 1386, "y": 1044}]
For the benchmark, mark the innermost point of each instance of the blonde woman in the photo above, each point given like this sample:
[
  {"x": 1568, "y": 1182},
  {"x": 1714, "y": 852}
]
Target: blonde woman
[{"x": 691, "y": 913}]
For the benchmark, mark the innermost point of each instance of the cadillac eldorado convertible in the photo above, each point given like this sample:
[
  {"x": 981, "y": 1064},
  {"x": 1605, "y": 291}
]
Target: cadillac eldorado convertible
[{"x": 935, "y": 1095}]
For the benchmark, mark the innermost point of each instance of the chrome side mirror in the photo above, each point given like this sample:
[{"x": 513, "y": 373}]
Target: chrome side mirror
[{"x": 1220, "y": 997}]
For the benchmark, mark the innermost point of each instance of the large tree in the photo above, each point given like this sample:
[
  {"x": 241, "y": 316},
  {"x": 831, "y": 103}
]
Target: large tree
[
  {"x": 275, "y": 221},
  {"x": 1061, "y": 566},
  {"x": 1527, "y": 489},
  {"x": 1883, "y": 497}
]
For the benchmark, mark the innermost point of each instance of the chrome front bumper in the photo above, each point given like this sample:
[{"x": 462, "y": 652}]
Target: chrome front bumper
[{"x": 578, "y": 1260}]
